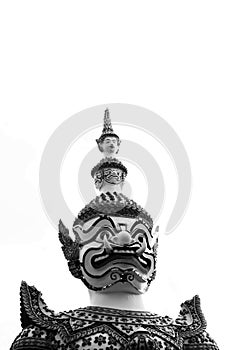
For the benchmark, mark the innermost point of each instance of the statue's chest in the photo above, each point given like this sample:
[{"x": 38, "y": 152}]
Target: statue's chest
[{"x": 107, "y": 332}]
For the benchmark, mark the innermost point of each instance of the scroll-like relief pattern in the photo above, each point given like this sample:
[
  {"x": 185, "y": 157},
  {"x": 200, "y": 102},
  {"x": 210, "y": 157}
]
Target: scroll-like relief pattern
[{"x": 108, "y": 329}]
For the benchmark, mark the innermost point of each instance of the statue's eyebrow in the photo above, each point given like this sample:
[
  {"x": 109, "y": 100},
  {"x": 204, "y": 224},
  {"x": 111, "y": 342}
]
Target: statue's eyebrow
[
  {"x": 110, "y": 139},
  {"x": 111, "y": 222},
  {"x": 137, "y": 223}
]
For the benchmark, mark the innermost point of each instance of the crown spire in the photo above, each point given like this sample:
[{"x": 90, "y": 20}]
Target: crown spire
[
  {"x": 107, "y": 130},
  {"x": 107, "y": 126}
]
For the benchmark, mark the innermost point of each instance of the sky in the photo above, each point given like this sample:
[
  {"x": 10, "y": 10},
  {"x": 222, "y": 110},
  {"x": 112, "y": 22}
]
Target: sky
[{"x": 172, "y": 58}]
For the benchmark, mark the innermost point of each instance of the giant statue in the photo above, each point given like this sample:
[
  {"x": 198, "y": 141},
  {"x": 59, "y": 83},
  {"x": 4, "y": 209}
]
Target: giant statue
[{"x": 113, "y": 250}]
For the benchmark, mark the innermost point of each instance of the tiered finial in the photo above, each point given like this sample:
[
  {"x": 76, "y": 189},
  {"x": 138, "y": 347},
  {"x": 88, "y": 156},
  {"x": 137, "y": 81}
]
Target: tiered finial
[
  {"x": 107, "y": 127},
  {"x": 114, "y": 248},
  {"x": 108, "y": 142},
  {"x": 109, "y": 173}
]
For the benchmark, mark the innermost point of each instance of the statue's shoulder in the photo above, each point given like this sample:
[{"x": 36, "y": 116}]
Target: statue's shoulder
[
  {"x": 42, "y": 328},
  {"x": 38, "y": 327},
  {"x": 191, "y": 324},
  {"x": 34, "y": 310},
  {"x": 191, "y": 319}
]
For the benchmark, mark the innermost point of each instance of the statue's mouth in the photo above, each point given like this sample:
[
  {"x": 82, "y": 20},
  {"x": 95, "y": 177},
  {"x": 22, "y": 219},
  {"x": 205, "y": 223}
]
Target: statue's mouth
[
  {"x": 125, "y": 256},
  {"x": 113, "y": 179}
]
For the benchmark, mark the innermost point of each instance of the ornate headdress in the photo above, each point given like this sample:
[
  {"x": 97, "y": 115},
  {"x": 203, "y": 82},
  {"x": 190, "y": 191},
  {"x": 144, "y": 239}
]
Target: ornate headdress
[
  {"x": 114, "y": 248},
  {"x": 107, "y": 128}
]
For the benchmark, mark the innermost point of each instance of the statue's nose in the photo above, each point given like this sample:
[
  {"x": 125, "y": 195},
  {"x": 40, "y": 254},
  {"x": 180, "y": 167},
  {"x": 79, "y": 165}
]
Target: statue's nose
[{"x": 124, "y": 238}]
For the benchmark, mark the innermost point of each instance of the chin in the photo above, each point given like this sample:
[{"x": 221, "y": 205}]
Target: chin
[
  {"x": 122, "y": 287},
  {"x": 118, "y": 280}
]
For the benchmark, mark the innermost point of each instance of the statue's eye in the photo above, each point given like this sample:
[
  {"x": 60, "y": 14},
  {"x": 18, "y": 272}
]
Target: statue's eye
[
  {"x": 103, "y": 234},
  {"x": 142, "y": 237}
]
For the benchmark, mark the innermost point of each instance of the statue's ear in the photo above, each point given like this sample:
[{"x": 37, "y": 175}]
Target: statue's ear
[
  {"x": 156, "y": 235},
  {"x": 99, "y": 145},
  {"x": 70, "y": 248},
  {"x": 155, "y": 247}
]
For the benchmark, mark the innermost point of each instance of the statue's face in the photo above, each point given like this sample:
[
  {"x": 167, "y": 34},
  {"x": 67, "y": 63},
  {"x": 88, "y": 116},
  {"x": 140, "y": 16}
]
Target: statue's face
[
  {"x": 109, "y": 146},
  {"x": 108, "y": 175},
  {"x": 116, "y": 254}
]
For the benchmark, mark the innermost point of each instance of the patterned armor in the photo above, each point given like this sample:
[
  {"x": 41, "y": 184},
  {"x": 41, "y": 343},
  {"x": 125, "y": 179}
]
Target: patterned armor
[{"x": 101, "y": 328}]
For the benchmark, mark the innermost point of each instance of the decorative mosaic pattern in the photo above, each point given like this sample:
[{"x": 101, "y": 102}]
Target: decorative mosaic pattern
[
  {"x": 113, "y": 203},
  {"x": 108, "y": 329},
  {"x": 106, "y": 163}
]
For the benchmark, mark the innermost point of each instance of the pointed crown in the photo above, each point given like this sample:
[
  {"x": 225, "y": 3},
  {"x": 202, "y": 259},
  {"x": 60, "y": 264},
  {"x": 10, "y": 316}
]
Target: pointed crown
[
  {"x": 107, "y": 128},
  {"x": 115, "y": 204}
]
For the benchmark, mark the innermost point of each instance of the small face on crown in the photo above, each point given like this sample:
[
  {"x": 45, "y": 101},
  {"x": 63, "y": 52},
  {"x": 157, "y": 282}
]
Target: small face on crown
[
  {"x": 116, "y": 254},
  {"x": 109, "y": 146}
]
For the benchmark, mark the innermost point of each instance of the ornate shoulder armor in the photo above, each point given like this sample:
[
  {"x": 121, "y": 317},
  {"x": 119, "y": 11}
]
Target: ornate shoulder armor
[
  {"x": 34, "y": 310},
  {"x": 192, "y": 327},
  {"x": 40, "y": 325}
]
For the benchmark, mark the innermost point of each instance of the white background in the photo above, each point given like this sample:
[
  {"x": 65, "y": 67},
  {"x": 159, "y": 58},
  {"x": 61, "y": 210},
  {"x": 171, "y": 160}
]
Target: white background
[{"x": 172, "y": 57}]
